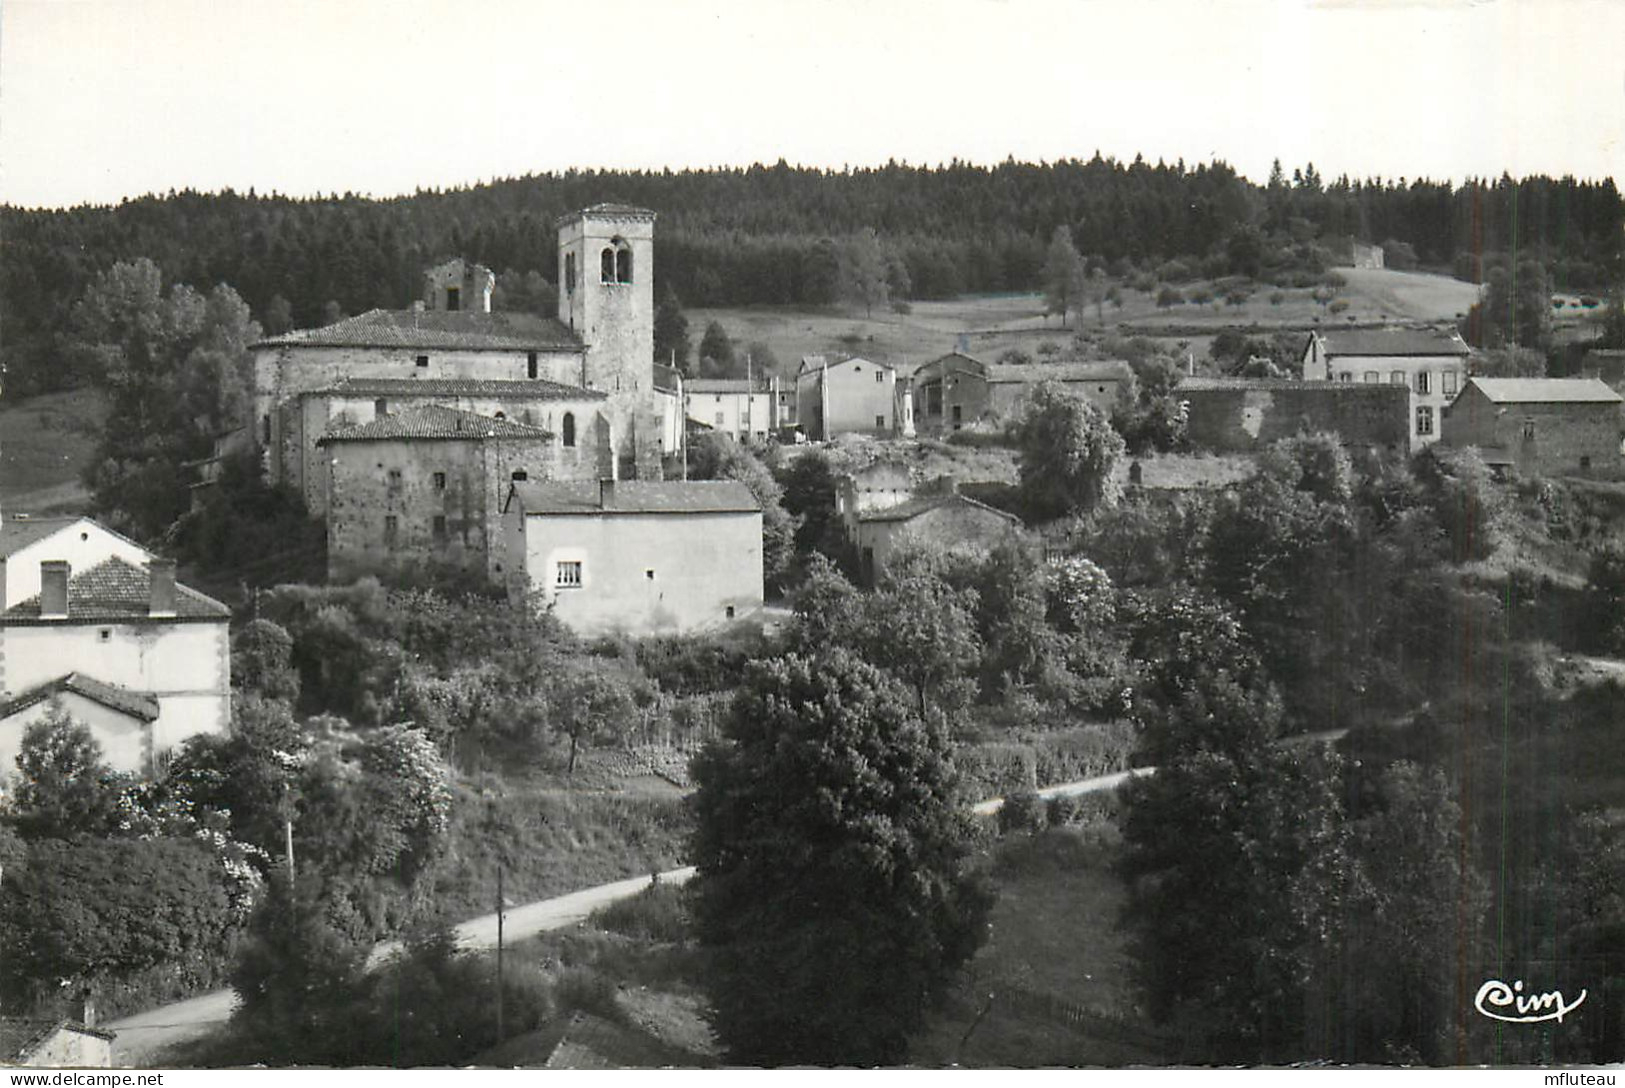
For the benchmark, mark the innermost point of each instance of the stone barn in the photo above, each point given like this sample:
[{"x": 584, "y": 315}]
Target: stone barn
[{"x": 1540, "y": 426}]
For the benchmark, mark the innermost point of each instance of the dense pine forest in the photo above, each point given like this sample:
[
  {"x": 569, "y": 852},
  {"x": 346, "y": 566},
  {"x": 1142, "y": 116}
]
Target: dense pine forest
[{"x": 776, "y": 235}]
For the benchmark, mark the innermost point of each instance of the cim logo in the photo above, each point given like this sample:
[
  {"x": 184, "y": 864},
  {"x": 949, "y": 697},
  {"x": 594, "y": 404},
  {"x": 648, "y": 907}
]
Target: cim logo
[{"x": 1530, "y": 1010}]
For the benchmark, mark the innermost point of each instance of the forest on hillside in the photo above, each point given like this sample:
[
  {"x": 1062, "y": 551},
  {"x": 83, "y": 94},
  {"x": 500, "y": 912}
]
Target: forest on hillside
[{"x": 778, "y": 235}]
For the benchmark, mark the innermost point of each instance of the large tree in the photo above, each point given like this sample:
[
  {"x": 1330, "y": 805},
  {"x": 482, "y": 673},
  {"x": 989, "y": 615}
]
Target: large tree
[
  {"x": 834, "y": 887},
  {"x": 1064, "y": 275},
  {"x": 864, "y": 280},
  {"x": 1068, "y": 449}
]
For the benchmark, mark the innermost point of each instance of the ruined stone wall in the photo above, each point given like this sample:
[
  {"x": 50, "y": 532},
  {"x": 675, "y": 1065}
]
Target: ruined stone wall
[{"x": 1245, "y": 417}]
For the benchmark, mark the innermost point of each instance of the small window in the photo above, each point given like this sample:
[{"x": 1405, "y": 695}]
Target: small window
[
  {"x": 1449, "y": 383},
  {"x": 720, "y": 418},
  {"x": 104, "y": 634},
  {"x": 501, "y": 415},
  {"x": 423, "y": 361},
  {"x": 606, "y": 265},
  {"x": 1396, "y": 377},
  {"x": 394, "y": 478},
  {"x": 568, "y": 575},
  {"x": 439, "y": 527},
  {"x": 1528, "y": 430},
  {"x": 380, "y": 407},
  {"x": 1585, "y": 464},
  {"x": 1372, "y": 377},
  {"x": 880, "y": 376},
  {"x": 1424, "y": 420},
  {"x": 1345, "y": 375},
  {"x": 392, "y": 530},
  {"x": 568, "y": 430},
  {"x": 569, "y": 273},
  {"x": 1423, "y": 381},
  {"x": 649, "y": 574},
  {"x": 623, "y": 264},
  {"x": 728, "y": 612},
  {"x": 530, "y": 365},
  {"x": 520, "y": 475},
  {"x": 265, "y": 430},
  {"x": 880, "y": 421},
  {"x": 454, "y": 300},
  {"x": 440, "y": 481}
]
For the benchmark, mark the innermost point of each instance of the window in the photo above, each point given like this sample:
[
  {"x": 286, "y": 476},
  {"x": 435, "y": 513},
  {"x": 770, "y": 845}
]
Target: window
[
  {"x": 440, "y": 481},
  {"x": 1449, "y": 389},
  {"x": 392, "y": 530},
  {"x": 957, "y": 418},
  {"x": 569, "y": 272},
  {"x": 1424, "y": 420},
  {"x": 105, "y": 634},
  {"x": 1528, "y": 430},
  {"x": 880, "y": 421},
  {"x": 1423, "y": 384},
  {"x": 728, "y": 612},
  {"x": 501, "y": 415},
  {"x": 439, "y": 527},
  {"x": 623, "y": 264},
  {"x": 880, "y": 376},
  {"x": 719, "y": 398},
  {"x": 394, "y": 479},
  {"x": 265, "y": 430},
  {"x": 1372, "y": 376},
  {"x": 720, "y": 416},
  {"x": 606, "y": 265},
  {"x": 520, "y": 475},
  {"x": 649, "y": 574},
  {"x": 1397, "y": 377},
  {"x": 569, "y": 429},
  {"x": 423, "y": 361},
  {"x": 1585, "y": 464},
  {"x": 454, "y": 298},
  {"x": 1345, "y": 375},
  {"x": 568, "y": 574},
  {"x": 380, "y": 407},
  {"x": 530, "y": 365}
]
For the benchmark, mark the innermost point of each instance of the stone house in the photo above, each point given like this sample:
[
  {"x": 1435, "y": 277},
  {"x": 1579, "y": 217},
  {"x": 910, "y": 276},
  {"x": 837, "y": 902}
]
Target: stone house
[
  {"x": 1098, "y": 381},
  {"x": 735, "y": 406},
  {"x": 636, "y": 557},
  {"x": 141, "y": 660},
  {"x": 950, "y": 393},
  {"x": 851, "y": 396},
  {"x": 81, "y": 542},
  {"x": 1431, "y": 364},
  {"x": 1243, "y": 415},
  {"x": 1540, "y": 426},
  {"x": 424, "y": 487},
  {"x": 458, "y": 285},
  {"x": 880, "y": 508}
]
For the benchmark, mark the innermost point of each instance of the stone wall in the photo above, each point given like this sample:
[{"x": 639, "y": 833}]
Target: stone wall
[{"x": 1242, "y": 415}]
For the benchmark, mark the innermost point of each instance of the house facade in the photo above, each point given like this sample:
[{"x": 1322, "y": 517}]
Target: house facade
[
  {"x": 1431, "y": 364},
  {"x": 738, "y": 407},
  {"x": 141, "y": 660},
  {"x": 636, "y": 557},
  {"x": 850, "y": 396},
  {"x": 881, "y": 509},
  {"x": 1540, "y": 426},
  {"x": 54, "y": 1044}
]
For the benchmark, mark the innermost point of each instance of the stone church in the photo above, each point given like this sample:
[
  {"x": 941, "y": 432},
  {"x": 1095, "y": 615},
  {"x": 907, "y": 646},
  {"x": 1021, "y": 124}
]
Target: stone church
[{"x": 406, "y": 428}]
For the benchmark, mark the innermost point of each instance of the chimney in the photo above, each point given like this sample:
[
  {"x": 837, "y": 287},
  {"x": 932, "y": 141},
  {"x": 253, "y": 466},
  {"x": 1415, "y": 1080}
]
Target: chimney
[
  {"x": 163, "y": 587},
  {"x": 88, "y": 1014},
  {"x": 606, "y": 492},
  {"x": 53, "y": 589}
]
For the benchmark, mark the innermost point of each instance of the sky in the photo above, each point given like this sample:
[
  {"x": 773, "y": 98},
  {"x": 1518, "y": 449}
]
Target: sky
[{"x": 104, "y": 99}]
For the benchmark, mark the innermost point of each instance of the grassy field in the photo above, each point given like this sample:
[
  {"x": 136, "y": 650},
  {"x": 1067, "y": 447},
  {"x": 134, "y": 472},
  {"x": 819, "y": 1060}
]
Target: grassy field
[
  {"x": 988, "y": 324},
  {"x": 45, "y": 443}
]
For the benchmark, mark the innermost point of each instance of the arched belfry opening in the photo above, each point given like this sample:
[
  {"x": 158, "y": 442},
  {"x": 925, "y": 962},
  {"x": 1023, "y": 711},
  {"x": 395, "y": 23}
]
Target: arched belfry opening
[{"x": 615, "y": 262}]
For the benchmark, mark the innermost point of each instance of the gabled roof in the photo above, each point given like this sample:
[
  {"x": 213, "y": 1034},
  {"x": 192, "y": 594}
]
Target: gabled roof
[
  {"x": 435, "y": 422},
  {"x": 1546, "y": 390},
  {"x": 18, "y": 532},
  {"x": 637, "y": 497},
  {"x": 1081, "y": 371},
  {"x": 1391, "y": 342},
  {"x": 955, "y": 360},
  {"x": 20, "y": 1037},
  {"x": 924, "y": 504},
  {"x": 465, "y": 330},
  {"x": 117, "y": 592},
  {"x": 134, "y": 704},
  {"x": 723, "y": 385},
  {"x": 527, "y": 389},
  {"x": 1339, "y": 388},
  {"x": 810, "y": 363}
]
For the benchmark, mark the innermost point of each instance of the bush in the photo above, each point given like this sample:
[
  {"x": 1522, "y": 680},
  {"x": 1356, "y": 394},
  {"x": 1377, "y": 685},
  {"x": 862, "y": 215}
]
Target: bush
[
  {"x": 1338, "y": 305},
  {"x": 1277, "y": 297},
  {"x": 1022, "y": 811},
  {"x": 657, "y": 913},
  {"x": 1169, "y": 296}
]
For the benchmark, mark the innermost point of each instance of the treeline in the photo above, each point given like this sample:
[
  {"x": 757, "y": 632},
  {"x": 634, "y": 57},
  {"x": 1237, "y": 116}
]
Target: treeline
[{"x": 770, "y": 234}]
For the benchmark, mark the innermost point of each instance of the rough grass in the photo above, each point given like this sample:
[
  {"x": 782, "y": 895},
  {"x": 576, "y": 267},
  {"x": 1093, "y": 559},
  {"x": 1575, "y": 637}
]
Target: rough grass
[
  {"x": 1184, "y": 472},
  {"x": 45, "y": 444}
]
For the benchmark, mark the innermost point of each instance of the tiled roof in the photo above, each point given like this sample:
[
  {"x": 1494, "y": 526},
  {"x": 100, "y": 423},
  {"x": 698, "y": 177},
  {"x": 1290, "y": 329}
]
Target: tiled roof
[
  {"x": 1242, "y": 384},
  {"x": 638, "y": 497},
  {"x": 118, "y": 592},
  {"x": 20, "y": 1037},
  {"x": 609, "y": 211},
  {"x": 1546, "y": 390},
  {"x": 810, "y": 363},
  {"x": 136, "y": 704},
  {"x": 537, "y": 389},
  {"x": 955, "y": 360},
  {"x": 723, "y": 385},
  {"x": 433, "y": 421},
  {"x": 1392, "y": 342},
  {"x": 428, "y": 329},
  {"x": 1089, "y": 371},
  {"x": 924, "y": 504}
]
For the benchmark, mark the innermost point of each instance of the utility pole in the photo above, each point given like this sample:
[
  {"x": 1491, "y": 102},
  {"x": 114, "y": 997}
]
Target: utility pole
[{"x": 501, "y": 1035}]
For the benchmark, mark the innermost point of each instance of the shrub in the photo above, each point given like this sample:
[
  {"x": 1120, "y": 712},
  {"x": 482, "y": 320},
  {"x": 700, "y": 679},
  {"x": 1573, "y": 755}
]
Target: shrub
[
  {"x": 658, "y": 913},
  {"x": 1049, "y": 347},
  {"x": 1169, "y": 296},
  {"x": 1338, "y": 305},
  {"x": 1277, "y": 297},
  {"x": 1023, "y": 810}
]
